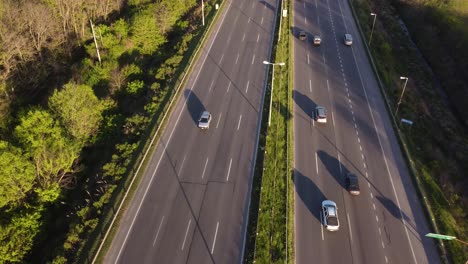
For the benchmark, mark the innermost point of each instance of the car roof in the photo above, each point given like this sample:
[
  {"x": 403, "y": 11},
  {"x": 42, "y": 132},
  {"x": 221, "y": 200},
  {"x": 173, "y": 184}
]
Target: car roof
[
  {"x": 320, "y": 110},
  {"x": 351, "y": 176}
]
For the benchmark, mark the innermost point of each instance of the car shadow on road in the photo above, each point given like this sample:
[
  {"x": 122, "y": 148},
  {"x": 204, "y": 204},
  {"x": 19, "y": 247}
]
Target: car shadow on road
[
  {"x": 309, "y": 193},
  {"x": 268, "y": 5},
  {"x": 392, "y": 208},
  {"x": 194, "y": 106},
  {"x": 330, "y": 163},
  {"x": 304, "y": 102}
]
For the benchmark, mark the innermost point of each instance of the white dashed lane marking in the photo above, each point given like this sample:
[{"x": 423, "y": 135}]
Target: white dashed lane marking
[
  {"x": 204, "y": 169},
  {"x": 186, "y": 233},
  {"x": 229, "y": 170}
]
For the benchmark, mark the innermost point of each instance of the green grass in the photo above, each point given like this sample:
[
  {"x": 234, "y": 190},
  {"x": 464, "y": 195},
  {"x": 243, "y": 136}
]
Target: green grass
[
  {"x": 431, "y": 146},
  {"x": 270, "y": 240}
]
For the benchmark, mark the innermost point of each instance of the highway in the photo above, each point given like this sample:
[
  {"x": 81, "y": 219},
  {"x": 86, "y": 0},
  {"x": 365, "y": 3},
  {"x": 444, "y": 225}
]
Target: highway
[
  {"x": 191, "y": 205},
  {"x": 385, "y": 223}
]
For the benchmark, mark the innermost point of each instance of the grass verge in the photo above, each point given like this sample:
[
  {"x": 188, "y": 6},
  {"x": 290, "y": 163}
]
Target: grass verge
[
  {"x": 268, "y": 237},
  {"x": 433, "y": 142}
]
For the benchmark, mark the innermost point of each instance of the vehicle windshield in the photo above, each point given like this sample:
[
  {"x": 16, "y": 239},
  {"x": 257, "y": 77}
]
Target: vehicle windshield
[
  {"x": 204, "y": 120},
  {"x": 332, "y": 221}
]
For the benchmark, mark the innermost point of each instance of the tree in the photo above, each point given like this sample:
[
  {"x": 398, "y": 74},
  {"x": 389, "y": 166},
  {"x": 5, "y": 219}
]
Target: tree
[
  {"x": 146, "y": 33},
  {"x": 52, "y": 152},
  {"x": 78, "y": 109},
  {"x": 17, "y": 233},
  {"x": 17, "y": 174}
]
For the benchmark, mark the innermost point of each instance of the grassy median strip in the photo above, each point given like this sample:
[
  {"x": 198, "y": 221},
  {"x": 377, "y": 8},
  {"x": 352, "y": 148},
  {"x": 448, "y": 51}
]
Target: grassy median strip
[{"x": 268, "y": 229}]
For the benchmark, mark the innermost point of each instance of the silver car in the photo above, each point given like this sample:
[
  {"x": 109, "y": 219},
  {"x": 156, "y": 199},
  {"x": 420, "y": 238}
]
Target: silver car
[
  {"x": 204, "y": 121},
  {"x": 330, "y": 215},
  {"x": 348, "y": 39}
]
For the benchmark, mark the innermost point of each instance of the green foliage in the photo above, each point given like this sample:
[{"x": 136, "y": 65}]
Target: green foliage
[
  {"x": 145, "y": 33},
  {"x": 131, "y": 72},
  {"x": 135, "y": 125},
  {"x": 17, "y": 235},
  {"x": 78, "y": 109},
  {"x": 98, "y": 76},
  {"x": 45, "y": 141},
  {"x": 49, "y": 194},
  {"x": 135, "y": 87},
  {"x": 17, "y": 175}
]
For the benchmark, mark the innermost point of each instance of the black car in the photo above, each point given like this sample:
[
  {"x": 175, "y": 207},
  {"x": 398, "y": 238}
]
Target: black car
[{"x": 352, "y": 184}]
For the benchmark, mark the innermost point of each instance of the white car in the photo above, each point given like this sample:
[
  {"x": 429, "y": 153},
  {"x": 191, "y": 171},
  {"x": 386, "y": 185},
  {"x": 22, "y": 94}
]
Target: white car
[
  {"x": 317, "y": 40},
  {"x": 348, "y": 39},
  {"x": 205, "y": 120},
  {"x": 330, "y": 215}
]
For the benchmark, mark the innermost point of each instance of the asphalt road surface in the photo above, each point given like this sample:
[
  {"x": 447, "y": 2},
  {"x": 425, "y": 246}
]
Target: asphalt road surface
[
  {"x": 192, "y": 203},
  {"x": 385, "y": 223}
]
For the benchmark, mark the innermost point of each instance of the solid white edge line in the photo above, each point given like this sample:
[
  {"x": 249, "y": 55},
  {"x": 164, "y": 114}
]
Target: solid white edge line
[
  {"x": 204, "y": 169},
  {"x": 229, "y": 170},
  {"x": 159, "y": 229},
  {"x": 214, "y": 239},
  {"x": 186, "y": 233}
]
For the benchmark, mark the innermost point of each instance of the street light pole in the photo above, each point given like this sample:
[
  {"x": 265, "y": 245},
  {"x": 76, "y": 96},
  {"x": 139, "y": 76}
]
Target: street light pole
[
  {"x": 203, "y": 12},
  {"x": 272, "y": 83},
  {"x": 402, "y": 92},
  {"x": 373, "y": 24}
]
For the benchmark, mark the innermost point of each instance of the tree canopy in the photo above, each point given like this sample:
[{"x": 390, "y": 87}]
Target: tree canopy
[
  {"x": 78, "y": 109},
  {"x": 17, "y": 174}
]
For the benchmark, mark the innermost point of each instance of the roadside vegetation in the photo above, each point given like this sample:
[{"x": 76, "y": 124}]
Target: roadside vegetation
[
  {"x": 269, "y": 228},
  {"x": 72, "y": 126},
  {"x": 435, "y": 99}
]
